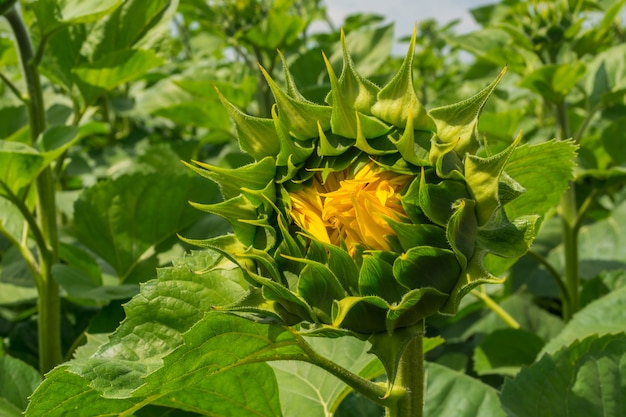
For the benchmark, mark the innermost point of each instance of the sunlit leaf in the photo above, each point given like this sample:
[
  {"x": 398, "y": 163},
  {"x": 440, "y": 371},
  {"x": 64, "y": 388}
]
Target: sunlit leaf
[
  {"x": 112, "y": 70},
  {"x": 130, "y": 25},
  {"x": 172, "y": 350},
  {"x": 552, "y": 164},
  {"x": 54, "y": 14}
]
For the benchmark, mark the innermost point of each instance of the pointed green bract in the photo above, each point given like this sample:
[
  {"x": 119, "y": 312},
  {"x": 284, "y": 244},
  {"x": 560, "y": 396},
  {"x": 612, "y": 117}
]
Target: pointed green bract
[
  {"x": 234, "y": 210},
  {"x": 292, "y": 89},
  {"x": 460, "y": 120},
  {"x": 353, "y": 88},
  {"x": 397, "y": 101},
  {"x": 483, "y": 178},
  {"x": 257, "y": 136},
  {"x": 411, "y": 151},
  {"x": 230, "y": 181},
  {"x": 299, "y": 117},
  {"x": 346, "y": 118}
]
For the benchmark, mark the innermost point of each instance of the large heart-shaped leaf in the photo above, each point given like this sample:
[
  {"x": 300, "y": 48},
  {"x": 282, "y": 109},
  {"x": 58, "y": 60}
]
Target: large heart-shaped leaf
[
  {"x": 603, "y": 316},
  {"x": 172, "y": 350},
  {"x": 121, "y": 219}
]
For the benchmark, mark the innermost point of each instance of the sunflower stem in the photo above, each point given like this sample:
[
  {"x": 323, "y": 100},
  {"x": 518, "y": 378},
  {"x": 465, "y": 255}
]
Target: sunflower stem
[
  {"x": 48, "y": 302},
  {"x": 410, "y": 379}
]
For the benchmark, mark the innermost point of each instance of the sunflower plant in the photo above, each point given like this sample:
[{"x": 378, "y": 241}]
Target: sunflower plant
[{"x": 365, "y": 215}]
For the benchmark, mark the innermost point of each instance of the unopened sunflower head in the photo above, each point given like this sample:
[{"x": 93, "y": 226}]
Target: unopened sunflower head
[{"x": 365, "y": 214}]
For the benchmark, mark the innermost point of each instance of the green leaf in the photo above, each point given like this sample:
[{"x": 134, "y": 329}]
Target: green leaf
[
  {"x": 11, "y": 220},
  {"x": 614, "y": 140},
  {"x": 121, "y": 219},
  {"x": 505, "y": 351},
  {"x": 13, "y": 117},
  {"x": 606, "y": 79},
  {"x": 9, "y": 410},
  {"x": 277, "y": 30},
  {"x": 461, "y": 230},
  {"x": 552, "y": 164},
  {"x": 19, "y": 166},
  {"x": 257, "y": 136},
  {"x": 554, "y": 82},
  {"x": 586, "y": 378},
  {"x": 54, "y": 14},
  {"x": 239, "y": 212},
  {"x": 454, "y": 394},
  {"x": 130, "y": 26},
  {"x": 601, "y": 244},
  {"x": 172, "y": 350},
  {"x": 307, "y": 390},
  {"x": 63, "y": 54},
  {"x": 112, "y": 70},
  {"x": 342, "y": 264},
  {"x": 16, "y": 281},
  {"x": 604, "y": 316},
  {"x": 17, "y": 382},
  {"x": 81, "y": 286},
  {"x": 602, "y": 285}
]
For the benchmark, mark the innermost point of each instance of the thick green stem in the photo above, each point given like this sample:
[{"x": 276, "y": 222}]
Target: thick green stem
[
  {"x": 48, "y": 304},
  {"x": 411, "y": 379},
  {"x": 569, "y": 220}
]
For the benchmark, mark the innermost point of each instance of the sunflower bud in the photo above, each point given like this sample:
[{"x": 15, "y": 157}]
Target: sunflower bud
[{"x": 368, "y": 213}]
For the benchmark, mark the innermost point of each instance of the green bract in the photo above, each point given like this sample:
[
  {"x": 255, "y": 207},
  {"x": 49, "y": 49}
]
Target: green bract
[{"x": 454, "y": 205}]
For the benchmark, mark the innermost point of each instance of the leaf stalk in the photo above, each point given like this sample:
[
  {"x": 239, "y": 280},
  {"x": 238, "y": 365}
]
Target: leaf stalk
[{"x": 495, "y": 307}]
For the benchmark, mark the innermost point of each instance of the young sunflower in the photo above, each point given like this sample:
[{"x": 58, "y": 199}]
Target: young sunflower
[{"x": 366, "y": 214}]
